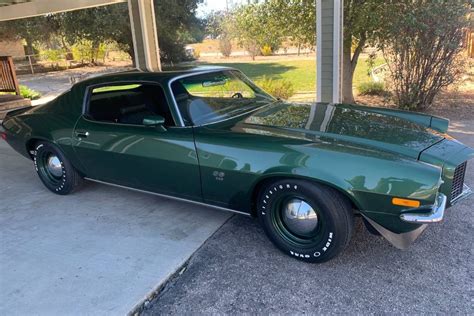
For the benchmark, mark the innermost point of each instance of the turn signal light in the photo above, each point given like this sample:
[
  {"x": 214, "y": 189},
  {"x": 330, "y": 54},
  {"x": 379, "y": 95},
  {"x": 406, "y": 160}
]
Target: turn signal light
[{"x": 405, "y": 202}]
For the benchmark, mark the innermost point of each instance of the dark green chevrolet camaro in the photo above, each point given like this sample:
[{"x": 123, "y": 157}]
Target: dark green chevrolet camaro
[{"x": 210, "y": 136}]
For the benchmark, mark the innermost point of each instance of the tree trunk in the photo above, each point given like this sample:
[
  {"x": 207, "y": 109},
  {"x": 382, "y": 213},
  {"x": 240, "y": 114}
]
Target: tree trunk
[
  {"x": 131, "y": 53},
  {"x": 29, "y": 49},
  {"x": 347, "y": 73},
  {"x": 349, "y": 64},
  {"x": 64, "y": 45}
]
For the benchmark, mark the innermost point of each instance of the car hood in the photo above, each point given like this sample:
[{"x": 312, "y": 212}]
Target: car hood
[{"x": 346, "y": 123}]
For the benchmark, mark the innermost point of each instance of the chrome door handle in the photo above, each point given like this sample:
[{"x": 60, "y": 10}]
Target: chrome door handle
[{"x": 82, "y": 134}]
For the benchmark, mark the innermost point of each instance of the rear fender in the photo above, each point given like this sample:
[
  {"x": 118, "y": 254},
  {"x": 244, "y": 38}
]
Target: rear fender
[{"x": 57, "y": 129}]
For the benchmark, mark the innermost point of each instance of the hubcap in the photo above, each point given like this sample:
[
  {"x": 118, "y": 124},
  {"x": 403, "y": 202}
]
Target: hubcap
[
  {"x": 299, "y": 217},
  {"x": 54, "y": 166}
]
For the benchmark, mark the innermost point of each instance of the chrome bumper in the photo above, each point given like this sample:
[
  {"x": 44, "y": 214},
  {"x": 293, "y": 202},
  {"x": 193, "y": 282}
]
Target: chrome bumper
[{"x": 434, "y": 216}]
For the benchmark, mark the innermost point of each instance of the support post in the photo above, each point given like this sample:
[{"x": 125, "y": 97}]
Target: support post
[
  {"x": 144, "y": 34},
  {"x": 329, "y": 16}
]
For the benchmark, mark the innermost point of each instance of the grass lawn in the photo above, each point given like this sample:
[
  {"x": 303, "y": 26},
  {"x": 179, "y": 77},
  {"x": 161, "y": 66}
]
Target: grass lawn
[{"x": 302, "y": 73}]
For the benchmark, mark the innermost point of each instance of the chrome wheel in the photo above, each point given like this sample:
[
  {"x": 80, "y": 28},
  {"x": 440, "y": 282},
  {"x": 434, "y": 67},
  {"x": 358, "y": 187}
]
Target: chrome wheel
[
  {"x": 54, "y": 166},
  {"x": 299, "y": 217},
  {"x": 49, "y": 166}
]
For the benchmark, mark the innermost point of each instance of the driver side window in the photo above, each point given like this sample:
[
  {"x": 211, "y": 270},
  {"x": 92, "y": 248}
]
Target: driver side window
[
  {"x": 128, "y": 104},
  {"x": 208, "y": 97}
]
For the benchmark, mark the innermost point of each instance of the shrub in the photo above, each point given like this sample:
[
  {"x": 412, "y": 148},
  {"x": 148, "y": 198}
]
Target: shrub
[
  {"x": 282, "y": 88},
  {"x": 266, "y": 50},
  {"x": 87, "y": 51},
  {"x": 372, "y": 88},
  {"x": 225, "y": 46},
  {"x": 52, "y": 55},
  {"x": 421, "y": 44},
  {"x": 28, "y": 93}
]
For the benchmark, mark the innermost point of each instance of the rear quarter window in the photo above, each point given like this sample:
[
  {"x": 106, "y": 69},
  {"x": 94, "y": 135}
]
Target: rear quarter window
[{"x": 128, "y": 103}]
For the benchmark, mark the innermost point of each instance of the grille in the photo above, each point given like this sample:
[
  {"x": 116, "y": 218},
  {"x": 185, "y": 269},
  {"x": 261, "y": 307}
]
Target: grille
[{"x": 458, "y": 180}]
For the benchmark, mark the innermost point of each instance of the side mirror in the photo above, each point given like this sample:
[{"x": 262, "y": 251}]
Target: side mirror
[{"x": 155, "y": 121}]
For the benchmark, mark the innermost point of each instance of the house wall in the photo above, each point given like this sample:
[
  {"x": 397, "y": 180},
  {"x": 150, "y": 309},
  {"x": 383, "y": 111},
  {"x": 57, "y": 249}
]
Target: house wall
[
  {"x": 329, "y": 50},
  {"x": 12, "y": 48}
]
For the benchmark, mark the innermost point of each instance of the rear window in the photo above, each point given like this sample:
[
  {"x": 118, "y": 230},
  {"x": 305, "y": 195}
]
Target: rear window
[{"x": 115, "y": 88}]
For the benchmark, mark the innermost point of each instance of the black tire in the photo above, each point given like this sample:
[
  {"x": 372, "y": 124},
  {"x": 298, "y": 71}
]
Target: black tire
[
  {"x": 322, "y": 236},
  {"x": 64, "y": 179}
]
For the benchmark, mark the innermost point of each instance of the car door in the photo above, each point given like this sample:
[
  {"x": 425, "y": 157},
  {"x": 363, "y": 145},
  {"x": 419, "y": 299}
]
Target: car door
[{"x": 114, "y": 148}]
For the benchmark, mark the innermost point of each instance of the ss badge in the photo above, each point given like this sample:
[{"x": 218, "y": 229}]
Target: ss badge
[{"x": 219, "y": 175}]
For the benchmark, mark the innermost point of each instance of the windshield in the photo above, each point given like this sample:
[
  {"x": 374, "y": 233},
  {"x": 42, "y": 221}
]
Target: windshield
[{"x": 211, "y": 97}]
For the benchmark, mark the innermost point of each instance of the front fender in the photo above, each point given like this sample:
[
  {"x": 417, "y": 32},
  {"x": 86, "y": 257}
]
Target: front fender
[{"x": 370, "y": 182}]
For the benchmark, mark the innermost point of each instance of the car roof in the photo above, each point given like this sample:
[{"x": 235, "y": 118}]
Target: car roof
[{"x": 162, "y": 77}]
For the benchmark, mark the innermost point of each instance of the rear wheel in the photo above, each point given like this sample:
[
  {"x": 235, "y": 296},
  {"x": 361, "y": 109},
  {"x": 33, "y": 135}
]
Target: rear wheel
[
  {"x": 54, "y": 170},
  {"x": 305, "y": 220}
]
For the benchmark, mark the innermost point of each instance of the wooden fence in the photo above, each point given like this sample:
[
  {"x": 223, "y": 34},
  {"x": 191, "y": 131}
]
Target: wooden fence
[{"x": 470, "y": 43}]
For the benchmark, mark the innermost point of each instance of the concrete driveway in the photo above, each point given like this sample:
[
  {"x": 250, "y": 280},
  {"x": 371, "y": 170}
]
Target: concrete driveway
[
  {"x": 101, "y": 250},
  {"x": 239, "y": 271}
]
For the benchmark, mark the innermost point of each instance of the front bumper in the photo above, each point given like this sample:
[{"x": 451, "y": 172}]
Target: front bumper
[
  {"x": 422, "y": 216},
  {"x": 427, "y": 215}
]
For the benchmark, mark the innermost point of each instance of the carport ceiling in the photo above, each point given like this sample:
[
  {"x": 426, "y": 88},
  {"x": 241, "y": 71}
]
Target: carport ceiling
[
  {"x": 10, "y": 2},
  {"x": 19, "y": 9}
]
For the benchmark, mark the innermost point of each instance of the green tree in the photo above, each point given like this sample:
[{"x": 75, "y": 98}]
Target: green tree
[
  {"x": 269, "y": 23},
  {"x": 36, "y": 29},
  {"x": 220, "y": 25},
  {"x": 269, "y": 19},
  {"x": 296, "y": 19},
  {"x": 248, "y": 28},
  {"x": 95, "y": 26},
  {"x": 176, "y": 22},
  {"x": 174, "y": 19},
  {"x": 256, "y": 25},
  {"x": 215, "y": 23}
]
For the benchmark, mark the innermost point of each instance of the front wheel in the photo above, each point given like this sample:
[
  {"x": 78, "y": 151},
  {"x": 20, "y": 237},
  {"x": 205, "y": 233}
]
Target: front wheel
[
  {"x": 54, "y": 169},
  {"x": 309, "y": 221}
]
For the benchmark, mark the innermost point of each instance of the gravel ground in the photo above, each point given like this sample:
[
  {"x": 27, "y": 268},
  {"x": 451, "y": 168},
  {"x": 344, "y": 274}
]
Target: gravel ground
[{"x": 239, "y": 271}]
